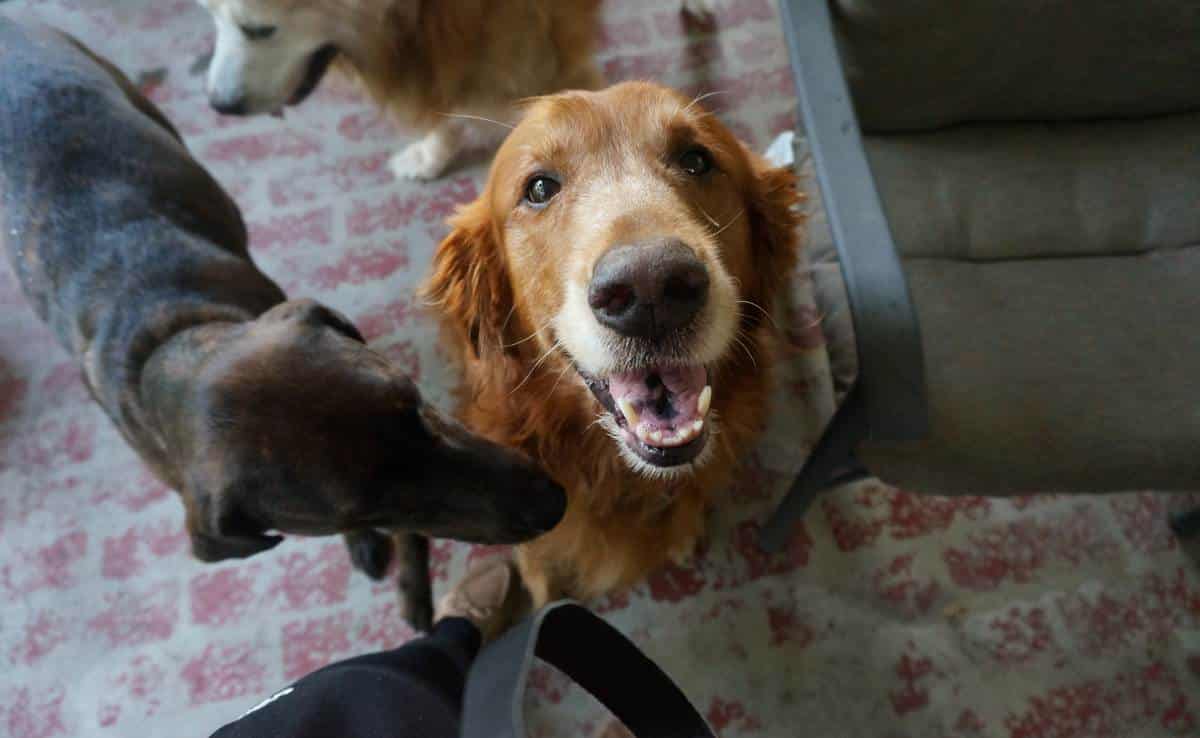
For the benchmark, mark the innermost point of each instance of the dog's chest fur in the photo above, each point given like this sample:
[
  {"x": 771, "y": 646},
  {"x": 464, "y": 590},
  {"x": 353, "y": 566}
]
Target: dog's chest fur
[{"x": 620, "y": 526}]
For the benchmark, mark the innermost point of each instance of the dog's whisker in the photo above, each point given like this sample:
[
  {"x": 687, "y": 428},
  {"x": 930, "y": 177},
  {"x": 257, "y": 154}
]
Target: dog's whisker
[
  {"x": 742, "y": 344},
  {"x": 710, "y": 218},
  {"x": 531, "y": 336},
  {"x": 732, "y": 220},
  {"x": 561, "y": 374},
  {"x": 534, "y": 368},
  {"x": 508, "y": 317},
  {"x": 526, "y": 338},
  {"x": 480, "y": 118},
  {"x": 701, "y": 98},
  {"x": 556, "y": 345},
  {"x": 599, "y": 421},
  {"x": 760, "y": 309},
  {"x": 817, "y": 320}
]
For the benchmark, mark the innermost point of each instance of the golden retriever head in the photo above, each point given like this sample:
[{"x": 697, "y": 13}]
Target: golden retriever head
[
  {"x": 272, "y": 53},
  {"x": 628, "y": 236}
]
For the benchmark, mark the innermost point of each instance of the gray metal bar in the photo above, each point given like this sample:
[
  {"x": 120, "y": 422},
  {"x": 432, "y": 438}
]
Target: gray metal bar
[
  {"x": 891, "y": 364},
  {"x": 888, "y": 401},
  {"x": 831, "y": 463}
]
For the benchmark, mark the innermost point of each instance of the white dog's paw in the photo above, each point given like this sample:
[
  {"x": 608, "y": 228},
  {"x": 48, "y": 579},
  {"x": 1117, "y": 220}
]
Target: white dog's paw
[
  {"x": 684, "y": 554},
  {"x": 682, "y": 558},
  {"x": 423, "y": 160},
  {"x": 700, "y": 9}
]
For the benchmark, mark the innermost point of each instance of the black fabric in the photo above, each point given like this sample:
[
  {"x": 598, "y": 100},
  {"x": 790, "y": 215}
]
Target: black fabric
[
  {"x": 414, "y": 691},
  {"x": 417, "y": 690},
  {"x": 597, "y": 657}
]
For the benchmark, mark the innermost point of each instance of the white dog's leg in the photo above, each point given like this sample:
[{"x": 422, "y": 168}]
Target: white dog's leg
[
  {"x": 703, "y": 9},
  {"x": 428, "y": 157}
]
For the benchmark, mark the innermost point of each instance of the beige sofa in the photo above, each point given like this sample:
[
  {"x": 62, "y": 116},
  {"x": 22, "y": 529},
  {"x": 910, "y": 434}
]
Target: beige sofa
[{"x": 1038, "y": 167}]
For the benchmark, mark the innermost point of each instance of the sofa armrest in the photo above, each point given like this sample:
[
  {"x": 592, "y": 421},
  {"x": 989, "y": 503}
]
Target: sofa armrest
[{"x": 889, "y": 399}]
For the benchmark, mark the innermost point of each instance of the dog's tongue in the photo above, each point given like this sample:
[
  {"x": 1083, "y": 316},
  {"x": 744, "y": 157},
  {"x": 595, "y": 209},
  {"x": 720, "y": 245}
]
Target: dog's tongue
[{"x": 663, "y": 407}]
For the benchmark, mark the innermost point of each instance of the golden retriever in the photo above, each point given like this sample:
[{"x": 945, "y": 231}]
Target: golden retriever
[
  {"x": 610, "y": 292},
  {"x": 435, "y": 65}
]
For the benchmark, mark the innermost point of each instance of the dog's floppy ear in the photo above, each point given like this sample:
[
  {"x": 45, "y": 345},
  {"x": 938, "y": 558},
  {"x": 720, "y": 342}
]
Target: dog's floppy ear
[
  {"x": 470, "y": 283},
  {"x": 773, "y": 202}
]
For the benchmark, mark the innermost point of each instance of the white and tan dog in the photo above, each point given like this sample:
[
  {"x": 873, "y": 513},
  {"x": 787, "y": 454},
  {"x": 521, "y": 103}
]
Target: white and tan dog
[
  {"x": 447, "y": 68},
  {"x": 435, "y": 65}
]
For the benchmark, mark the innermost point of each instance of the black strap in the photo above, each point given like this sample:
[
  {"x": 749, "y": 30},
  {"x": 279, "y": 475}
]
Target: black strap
[{"x": 593, "y": 653}]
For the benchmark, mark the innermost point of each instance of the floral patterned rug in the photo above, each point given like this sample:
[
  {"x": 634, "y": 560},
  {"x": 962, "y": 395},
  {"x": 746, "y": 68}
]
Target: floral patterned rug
[{"x": 891, "y": 613}]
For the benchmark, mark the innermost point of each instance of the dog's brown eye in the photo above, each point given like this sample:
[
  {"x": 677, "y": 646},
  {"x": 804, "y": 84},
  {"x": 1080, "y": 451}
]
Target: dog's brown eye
[
  {"x": 541, "y": 190},
  {"x": 695, "y": 162},
  {"x": 258, "y": 33}
]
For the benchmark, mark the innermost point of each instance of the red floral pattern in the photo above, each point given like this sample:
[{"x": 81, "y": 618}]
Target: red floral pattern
[{"x": 890, "y": 613}]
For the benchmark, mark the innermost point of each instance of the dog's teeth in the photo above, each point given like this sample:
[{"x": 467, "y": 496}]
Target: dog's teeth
[
  {"x": 664, "y": 437},
  {"x": 704, "y": 402},
  {"x": 629, "y": 411}
]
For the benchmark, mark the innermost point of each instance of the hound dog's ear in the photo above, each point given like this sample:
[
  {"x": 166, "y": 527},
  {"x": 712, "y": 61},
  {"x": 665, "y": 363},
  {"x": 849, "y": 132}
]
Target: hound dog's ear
[
  {"x": 470, "y": 283},
  {"x": 773, "y": 203}
]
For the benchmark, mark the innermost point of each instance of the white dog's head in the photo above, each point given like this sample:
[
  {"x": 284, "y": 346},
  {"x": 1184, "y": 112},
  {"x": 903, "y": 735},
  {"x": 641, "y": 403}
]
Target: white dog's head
[{"x": 268, "y": 53}]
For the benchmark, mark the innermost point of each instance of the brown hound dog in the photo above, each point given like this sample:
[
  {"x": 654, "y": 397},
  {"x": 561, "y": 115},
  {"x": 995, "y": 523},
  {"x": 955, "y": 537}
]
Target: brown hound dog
[{"x": 265, "y": 414}]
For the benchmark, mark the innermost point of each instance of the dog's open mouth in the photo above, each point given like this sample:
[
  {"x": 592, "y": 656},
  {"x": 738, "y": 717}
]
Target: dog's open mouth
[
  {"x": 660, "y": 412},
  {"x": 318, "y": 65}
]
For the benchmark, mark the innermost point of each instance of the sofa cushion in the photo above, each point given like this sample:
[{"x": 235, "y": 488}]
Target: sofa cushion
[
  {"x": 919, "y": 64},
  {"x": 1034, "y": 190},
  {"x": 1055, "y": 375}
]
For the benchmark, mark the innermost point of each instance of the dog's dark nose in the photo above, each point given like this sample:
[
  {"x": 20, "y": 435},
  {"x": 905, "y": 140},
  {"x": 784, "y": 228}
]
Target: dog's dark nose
[
  {"x": 229, "y": 106},
  {"x": 648, "y": 289}
]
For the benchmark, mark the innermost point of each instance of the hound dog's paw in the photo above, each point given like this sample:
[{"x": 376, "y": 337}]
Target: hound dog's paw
[
  {"x": 370, "y": 551},
  {"x": 413, "y": 580}
]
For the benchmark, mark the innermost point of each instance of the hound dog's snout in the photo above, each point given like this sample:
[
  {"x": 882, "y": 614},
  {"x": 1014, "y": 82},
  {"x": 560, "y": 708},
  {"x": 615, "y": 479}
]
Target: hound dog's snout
[{"x": 648, "y": 289}]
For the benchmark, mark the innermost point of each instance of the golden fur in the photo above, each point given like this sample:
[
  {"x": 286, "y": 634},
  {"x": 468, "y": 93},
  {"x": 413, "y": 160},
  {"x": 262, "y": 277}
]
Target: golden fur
[
  {"x": 501, "y": 277},
  {"x": 420, "y": 58},
  {"x": 437, "y": 66}
]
